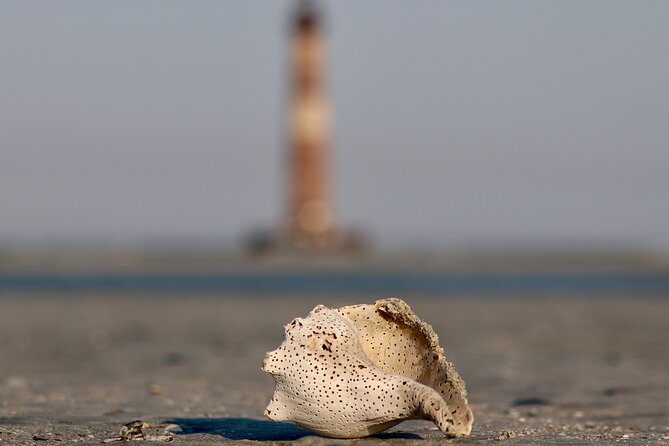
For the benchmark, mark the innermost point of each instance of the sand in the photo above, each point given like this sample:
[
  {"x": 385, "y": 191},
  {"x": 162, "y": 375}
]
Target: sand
[{"x": 554, "y": 370}]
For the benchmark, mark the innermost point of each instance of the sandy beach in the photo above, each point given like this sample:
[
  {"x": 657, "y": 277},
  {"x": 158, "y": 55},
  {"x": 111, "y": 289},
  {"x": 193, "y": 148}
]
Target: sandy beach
[{"x": 549, "y": 370}]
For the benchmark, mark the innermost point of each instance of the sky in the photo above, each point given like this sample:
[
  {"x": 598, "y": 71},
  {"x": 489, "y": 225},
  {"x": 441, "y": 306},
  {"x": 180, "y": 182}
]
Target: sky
[{"x": 456, "y": 123}]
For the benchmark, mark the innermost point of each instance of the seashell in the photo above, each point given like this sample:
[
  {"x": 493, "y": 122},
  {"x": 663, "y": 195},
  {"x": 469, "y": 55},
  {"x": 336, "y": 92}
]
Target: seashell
[{"x": 361, "y": 369}]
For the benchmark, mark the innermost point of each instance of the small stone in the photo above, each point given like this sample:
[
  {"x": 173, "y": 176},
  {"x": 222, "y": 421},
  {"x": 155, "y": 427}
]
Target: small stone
[
  {"x": 165, "y": 437},
  {"x": 173, "y": 428},
  {"x": 505, "y": 435},
  {"x": 133, "y": 430}
]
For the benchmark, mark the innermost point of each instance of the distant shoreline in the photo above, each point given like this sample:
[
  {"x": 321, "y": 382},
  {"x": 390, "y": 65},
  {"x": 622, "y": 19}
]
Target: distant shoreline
[
  {"x": 169, "y": 260},
  {"x": 345, "y": 282}
]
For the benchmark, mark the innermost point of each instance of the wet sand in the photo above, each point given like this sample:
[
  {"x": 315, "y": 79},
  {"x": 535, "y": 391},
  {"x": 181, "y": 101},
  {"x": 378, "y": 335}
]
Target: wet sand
[{"x": 554, "y": 370}]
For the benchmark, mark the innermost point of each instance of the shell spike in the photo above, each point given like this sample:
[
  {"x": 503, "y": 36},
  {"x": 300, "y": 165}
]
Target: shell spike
[{"x": 431, "y": 406}]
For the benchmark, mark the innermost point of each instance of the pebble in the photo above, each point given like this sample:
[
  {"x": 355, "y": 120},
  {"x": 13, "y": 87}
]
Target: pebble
[
  {"x": 135, "y": 431},
  {"x": 506, "y": 434},
  {"x": 165, "y": 436}
]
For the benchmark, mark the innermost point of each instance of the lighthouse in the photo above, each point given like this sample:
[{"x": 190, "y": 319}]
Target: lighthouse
[
  {"x": 310, "y": 220},
  {"x": 308, "y": 224}
]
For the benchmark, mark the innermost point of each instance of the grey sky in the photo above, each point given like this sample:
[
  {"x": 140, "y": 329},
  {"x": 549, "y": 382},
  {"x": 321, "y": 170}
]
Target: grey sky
[{"x": 455, "y": 122}]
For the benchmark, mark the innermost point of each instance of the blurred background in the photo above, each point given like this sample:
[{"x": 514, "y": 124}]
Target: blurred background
[{"x": 475, "y": 147}]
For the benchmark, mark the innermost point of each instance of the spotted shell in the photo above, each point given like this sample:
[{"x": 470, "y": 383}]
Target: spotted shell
[{"x": 361, "y": 369}]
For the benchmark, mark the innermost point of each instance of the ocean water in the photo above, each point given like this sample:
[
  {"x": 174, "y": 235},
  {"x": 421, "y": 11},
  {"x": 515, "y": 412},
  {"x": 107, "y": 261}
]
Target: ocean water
[{"x": 346, "y": 282}]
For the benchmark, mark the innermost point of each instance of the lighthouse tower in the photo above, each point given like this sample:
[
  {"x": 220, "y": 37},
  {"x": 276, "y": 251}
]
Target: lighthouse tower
[
  {"x": 309, "y": 217},
  {"x": 309, "y": 221}
]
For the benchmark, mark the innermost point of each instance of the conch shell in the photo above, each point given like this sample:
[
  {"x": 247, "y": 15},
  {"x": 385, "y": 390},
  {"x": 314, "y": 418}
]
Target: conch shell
[{"x": 361, "y": 369}]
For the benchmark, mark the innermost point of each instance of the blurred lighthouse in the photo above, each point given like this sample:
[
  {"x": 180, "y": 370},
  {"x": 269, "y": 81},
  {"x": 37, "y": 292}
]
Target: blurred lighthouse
[
  {"x": 310, "y": 216},
  {"x": 309, "y": 220}
]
